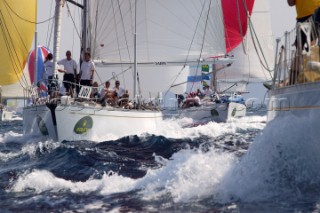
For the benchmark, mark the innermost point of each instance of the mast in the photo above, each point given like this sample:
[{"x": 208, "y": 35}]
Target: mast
[
  {"x": 214, "y": 78},
  {"x": 35, "y": 57},
  {"x": 135, "y": 52},
  {"x": 57, "y": 31},
  {"x": 84, "y": 28}
]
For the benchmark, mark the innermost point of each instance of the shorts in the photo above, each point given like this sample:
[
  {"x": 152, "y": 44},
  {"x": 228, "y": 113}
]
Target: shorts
[{"x": 68, "y": 81}]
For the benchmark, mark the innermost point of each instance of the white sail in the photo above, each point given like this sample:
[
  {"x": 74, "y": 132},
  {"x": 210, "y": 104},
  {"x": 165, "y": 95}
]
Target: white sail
[
  {"x": 167, "y": 31},
  {"x": 248, "y": 66}
]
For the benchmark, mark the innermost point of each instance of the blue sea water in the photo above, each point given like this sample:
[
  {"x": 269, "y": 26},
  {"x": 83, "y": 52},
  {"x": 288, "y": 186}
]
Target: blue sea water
[{"x": 240, "y": 166}]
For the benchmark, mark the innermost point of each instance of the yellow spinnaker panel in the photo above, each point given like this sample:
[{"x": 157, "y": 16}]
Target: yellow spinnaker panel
[{"x": 17, "y": 27}]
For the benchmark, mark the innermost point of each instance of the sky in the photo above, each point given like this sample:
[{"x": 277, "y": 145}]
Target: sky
[{"x": 282, "y": 16}]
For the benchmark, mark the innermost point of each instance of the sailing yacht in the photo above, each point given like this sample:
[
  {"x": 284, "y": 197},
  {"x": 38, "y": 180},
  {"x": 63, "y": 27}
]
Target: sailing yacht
[
  {"x": 15, "y": 42},
  {"x": 295, "y": 85},
  {"x": 148, "y": 45},
  {"x": 252, "y": 56}
]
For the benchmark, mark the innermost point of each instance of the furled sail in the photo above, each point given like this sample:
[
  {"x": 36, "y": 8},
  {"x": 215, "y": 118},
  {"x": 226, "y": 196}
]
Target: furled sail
[{"x": 17, "y": 27}]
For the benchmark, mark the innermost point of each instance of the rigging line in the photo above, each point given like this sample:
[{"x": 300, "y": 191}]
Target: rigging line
[
  {"x": 98, "y": 76},
  {"x": 182, "y": 21},
  {"x": 41, "y": 22},
  {"x": 265, "y": 66},
  {"x": 194, "y": 35},
  {"x": 95, "y": 30},
  {"x": 7, "y": 43},
  {"x": 51, "y": 32},
  {"x": 125, "y": 35},
  {"x": 147, "y": 32},
  {"x": 10, "y": 41},
  {"x": 18, "y": 31},
  {"x": 240, "y": 25},
  {"x": 203, "y": 39},
  {"x": 249, "y": 68},
  {"x": 74, "y": 24},
  {"x": 49, "y": 24},
  {"x": 106, "y": 31},
  {"x": 174, "y": 15},
  {"x": 74, "y": 14},
  {"x": 116, "y": 76},
  {"x": 117, "y": 35},
  {"x": 252, "y": 30},
  {"x": 254, "y": 34}
]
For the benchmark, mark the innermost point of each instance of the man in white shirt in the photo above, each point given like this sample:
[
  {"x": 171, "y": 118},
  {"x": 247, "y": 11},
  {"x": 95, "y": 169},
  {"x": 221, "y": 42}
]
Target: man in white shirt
[
  {"x": 70, "y": 71},
  {"x": 87, "y": 71},
  {"x": 119, "y": 91}
]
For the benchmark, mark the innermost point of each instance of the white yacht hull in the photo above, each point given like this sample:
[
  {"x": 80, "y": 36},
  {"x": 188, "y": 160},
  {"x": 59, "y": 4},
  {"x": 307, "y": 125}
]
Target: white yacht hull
[
  {"x": 74, "y": 123},
  {"x": 93, "y": 123},
  {"x": 5, "y": 115},
  {"x": 37, "y": 120},
  {"x": 218, "y": 112},
  {"x": 296, "y": 100}
]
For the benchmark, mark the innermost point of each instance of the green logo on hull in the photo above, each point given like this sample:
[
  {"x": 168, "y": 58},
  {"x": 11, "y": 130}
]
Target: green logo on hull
[
  {"x": 234, "y": 111},
  {"x": 42, "y": 126},
  {"x": 83, "y": 125}
]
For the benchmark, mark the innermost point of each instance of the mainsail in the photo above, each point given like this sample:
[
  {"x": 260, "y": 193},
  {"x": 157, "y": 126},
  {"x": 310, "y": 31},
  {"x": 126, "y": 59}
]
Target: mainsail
[
  {"x": 170, "y": 34},
  {"x": 167, "y": 30},
  {"x": 254, "y": 57},
  {"x": 17, "y": 26}
]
